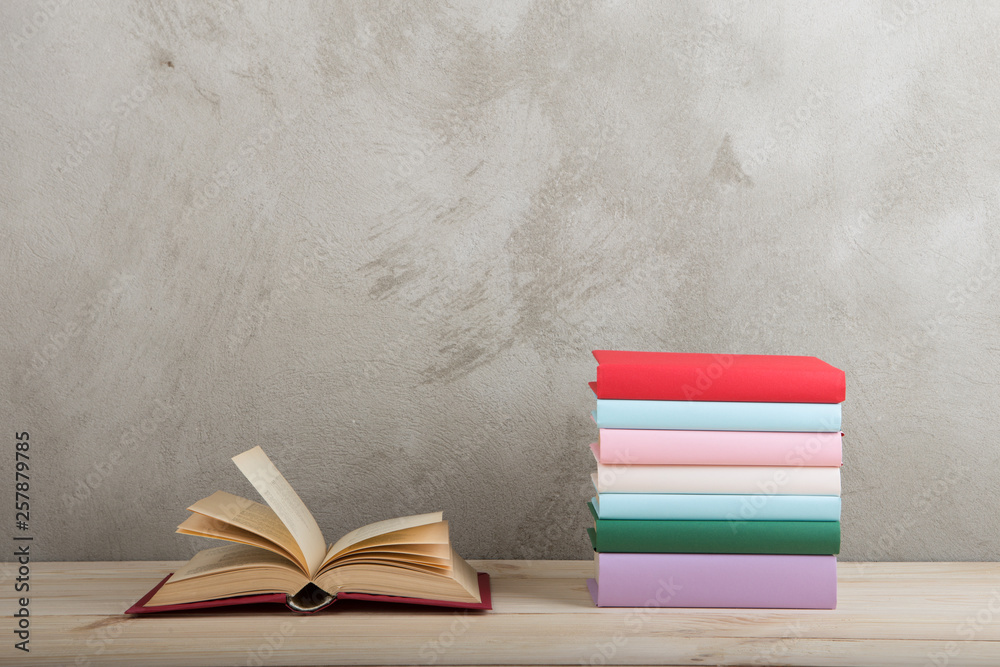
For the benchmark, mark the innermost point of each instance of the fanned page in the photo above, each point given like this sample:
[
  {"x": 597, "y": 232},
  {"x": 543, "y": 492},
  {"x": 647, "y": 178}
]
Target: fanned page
[
  {"x": 457, "y": 583},
  {"x": 228, "y": 571},
  {"x": 279, "y": 494},
  {"x": 396, "y": 547},
  {"x": 425, "y": 553},
  {"x": 229, "y": 557},
  {"x": 442, "y": 567},
  {"x": 202, "y": 526},
  {"x": 385, "y": 529},
  {"x": 225, "y": 516}
]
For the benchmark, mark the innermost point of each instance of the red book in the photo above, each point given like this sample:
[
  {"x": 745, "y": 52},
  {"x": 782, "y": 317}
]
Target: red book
[
  {"x": 680, "y": 376},
  {"x": 313, "y": 606}
]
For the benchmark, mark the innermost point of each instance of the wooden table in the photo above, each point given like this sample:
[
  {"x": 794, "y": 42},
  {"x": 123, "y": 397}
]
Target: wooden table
[{"x": 913, "y": 614}]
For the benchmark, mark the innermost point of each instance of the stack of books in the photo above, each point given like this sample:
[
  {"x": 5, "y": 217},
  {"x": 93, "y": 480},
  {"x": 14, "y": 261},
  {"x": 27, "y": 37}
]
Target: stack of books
[{"x": 718, "y": 480}]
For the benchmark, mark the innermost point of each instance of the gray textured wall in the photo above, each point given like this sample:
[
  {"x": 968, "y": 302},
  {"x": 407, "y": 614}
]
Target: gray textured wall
[{"x": 380, "y": 240}]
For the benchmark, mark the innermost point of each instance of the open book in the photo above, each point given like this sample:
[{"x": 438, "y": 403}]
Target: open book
[{"x": 279, "y": 554}]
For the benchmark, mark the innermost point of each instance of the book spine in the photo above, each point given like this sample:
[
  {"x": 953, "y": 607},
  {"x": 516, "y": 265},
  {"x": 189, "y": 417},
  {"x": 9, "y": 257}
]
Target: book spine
[
  {"x": 717, "y": 507},
  {"x": 715, "y": 580},
  {"x": 685, "y": 447},
  {"x": 697, "y": 383},
  {"x": 721, "y": 537},
  {"x": 718, "y": 416},
  {"x": 771, "y": 480}
]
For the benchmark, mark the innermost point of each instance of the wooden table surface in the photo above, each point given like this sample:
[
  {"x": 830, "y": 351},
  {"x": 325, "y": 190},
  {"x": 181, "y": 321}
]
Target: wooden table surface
[{"x": 913, "y": 614}]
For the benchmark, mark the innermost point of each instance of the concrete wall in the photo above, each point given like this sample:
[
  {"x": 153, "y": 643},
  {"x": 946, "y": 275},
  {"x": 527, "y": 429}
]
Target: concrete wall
[{"x": 381, "y": 239}]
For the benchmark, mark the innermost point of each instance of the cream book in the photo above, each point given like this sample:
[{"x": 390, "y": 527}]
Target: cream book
[{"x": 278, "y": 554}]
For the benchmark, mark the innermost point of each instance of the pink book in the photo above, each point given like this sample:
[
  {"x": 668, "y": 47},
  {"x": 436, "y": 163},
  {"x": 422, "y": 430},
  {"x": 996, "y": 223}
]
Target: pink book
[
  {"x": 747, "y": 448},
  {"x": 715, "y": 580}
]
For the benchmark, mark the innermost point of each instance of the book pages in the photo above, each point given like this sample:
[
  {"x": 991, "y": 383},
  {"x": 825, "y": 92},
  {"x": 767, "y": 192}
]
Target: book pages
[
  {"x": 381, "y": 528},
  {"x": 202, "y": 526},
  {"x": 279, "y": 494},
  {"x": 229, "y": 557}
]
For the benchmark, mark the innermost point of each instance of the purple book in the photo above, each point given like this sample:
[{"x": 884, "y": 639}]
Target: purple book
[{"x": 761, "y": 581}]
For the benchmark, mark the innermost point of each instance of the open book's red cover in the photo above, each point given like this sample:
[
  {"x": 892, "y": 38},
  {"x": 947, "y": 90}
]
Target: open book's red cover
[
  {"x": 486, "y": 602},
  {"x": 679, "y": 376}
]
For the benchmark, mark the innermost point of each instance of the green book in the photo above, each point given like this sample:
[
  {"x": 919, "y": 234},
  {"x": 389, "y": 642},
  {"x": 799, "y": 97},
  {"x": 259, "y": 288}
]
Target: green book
[{"x": 715, "y": 537}]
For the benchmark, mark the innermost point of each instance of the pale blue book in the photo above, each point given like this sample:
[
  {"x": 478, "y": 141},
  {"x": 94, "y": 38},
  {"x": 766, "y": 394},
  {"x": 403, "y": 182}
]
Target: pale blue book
[
  {"x": 717, "y": 415},
  {"x": 717, "y": 507}
]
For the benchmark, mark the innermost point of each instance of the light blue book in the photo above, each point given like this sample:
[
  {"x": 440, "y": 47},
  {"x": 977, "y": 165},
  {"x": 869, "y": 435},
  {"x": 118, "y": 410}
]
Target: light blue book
[
  {"x": 717, "y": 415},
  {"x": 714, "y": 507}
]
